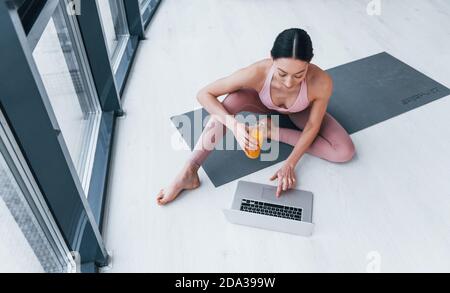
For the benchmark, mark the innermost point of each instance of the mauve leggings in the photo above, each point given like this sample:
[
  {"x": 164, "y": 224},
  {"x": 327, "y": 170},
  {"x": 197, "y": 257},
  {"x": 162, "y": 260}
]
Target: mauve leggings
[{"x": 332, "y": 143}]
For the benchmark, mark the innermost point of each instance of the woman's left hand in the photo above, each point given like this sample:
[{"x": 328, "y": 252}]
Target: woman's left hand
[{"x": 286, "y": 178}]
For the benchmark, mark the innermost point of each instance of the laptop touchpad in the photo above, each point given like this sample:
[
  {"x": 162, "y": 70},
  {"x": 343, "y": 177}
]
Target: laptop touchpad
[{"x": 269, "y": 193}]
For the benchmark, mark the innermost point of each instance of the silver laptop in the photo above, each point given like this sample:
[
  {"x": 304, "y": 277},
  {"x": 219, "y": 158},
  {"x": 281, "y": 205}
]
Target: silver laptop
[{"x": 256, "y": 205}]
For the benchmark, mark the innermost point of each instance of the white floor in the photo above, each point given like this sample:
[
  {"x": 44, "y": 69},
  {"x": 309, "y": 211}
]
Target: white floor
[{"x": 387, "y": 210}]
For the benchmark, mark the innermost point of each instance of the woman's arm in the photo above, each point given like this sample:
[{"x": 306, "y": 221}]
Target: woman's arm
[
  {"x": 312, "y": 127},
  {"x": 247, "y": 77},
  {"x": 286, "y": 174},
  {"x": 207, "y": 96}
]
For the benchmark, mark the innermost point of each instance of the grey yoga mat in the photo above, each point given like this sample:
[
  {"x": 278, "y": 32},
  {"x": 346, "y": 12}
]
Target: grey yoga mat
[{"x": 366, "y": 92}]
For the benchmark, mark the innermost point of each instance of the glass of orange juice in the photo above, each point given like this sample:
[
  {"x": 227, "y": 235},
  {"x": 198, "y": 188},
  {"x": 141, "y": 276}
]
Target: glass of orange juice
[{"x": 258, "y": 135}]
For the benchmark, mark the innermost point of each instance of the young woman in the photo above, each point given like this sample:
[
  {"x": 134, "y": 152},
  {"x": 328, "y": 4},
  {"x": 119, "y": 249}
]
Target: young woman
[{"x": 287, "y": 83}]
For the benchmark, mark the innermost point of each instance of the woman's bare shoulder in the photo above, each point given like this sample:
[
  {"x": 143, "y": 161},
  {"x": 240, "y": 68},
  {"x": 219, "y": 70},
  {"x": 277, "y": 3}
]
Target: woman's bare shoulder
[
  {"x": 249, "y": 77},
  {"x": 263, "y": 65},
  {"x": 319, "y": 81},
  {"x": 260, "y": 70}
]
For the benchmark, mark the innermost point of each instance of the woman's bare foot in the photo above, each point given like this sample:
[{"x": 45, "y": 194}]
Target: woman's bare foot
[{"x": 186, "y": 179}]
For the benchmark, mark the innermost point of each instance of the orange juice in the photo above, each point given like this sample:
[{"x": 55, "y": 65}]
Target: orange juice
[{"x": 254, "y": 154}]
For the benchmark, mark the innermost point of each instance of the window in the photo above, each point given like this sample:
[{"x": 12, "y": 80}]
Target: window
[
  {"x": 72, "y": 85},
  {"x": 144, "y": 3},
  {"x": 62, "y": 64},
  {"x": 29, "y": 11},
  {"x": 32, "y": 242},
  {"x": 115, "y": 28},
  {"x": 147, "y": 8}
]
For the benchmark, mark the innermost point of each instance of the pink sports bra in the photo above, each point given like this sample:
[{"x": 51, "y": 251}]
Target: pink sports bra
[{"x": 300, "y": 104}]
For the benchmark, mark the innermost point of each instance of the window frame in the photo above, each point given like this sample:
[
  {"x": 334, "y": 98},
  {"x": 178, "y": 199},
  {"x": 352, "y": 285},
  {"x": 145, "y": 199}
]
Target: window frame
[
  {"x": 91, "y": 104},
  {"x": 33, "y": 198},
  {"x": 34, "y": 126}
]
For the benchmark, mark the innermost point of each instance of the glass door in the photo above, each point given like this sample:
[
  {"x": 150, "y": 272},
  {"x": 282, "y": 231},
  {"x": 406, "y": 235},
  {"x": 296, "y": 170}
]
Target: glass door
[
  {"x": 147, "y": 7},
  {"x": 115, "y": 28},
  {"x": 63, "y": 66},
  {"x": 31, "y": 241},
  {"x": 143, "y": 4}
]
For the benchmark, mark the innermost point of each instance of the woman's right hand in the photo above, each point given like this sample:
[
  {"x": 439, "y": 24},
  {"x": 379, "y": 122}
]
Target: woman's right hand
[{"x": 244, "y": 139}]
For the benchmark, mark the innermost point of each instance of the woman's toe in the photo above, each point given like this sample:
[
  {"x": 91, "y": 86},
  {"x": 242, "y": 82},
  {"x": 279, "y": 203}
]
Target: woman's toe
[
  {"x": 160, "y": 196},
  {"x": 161, "y": 201}
]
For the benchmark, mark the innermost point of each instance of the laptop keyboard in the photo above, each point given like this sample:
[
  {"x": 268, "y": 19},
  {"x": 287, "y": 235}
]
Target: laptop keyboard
[{"x": 268, "y": 209}]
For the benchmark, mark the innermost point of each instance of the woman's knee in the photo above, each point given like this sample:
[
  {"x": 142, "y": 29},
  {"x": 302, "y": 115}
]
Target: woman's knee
[
  {"x": 235, "y": 102},
  {"x": 343, "y": 152}
]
